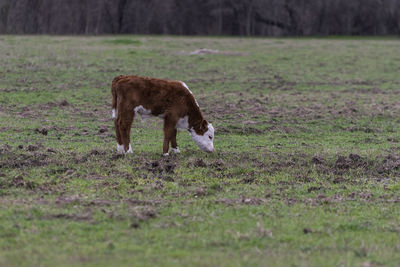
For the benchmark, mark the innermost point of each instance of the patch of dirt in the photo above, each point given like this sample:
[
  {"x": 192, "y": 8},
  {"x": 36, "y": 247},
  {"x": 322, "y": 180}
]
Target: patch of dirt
[
  {"x": 32, "y": 148},
  {"x": 206, "y": 51},
  {"x": 362, "y": 129},
  {"x": 103, "y": 129},
  {"x": 313, "y": 188},
  {"x": 322, "y": 199},
  {"x": 12, "y": 160},
  {"x": 137, "y": 202},
  {"x": 4, "y": 129},
  {"x": 200, "y": 192},
  {"x": 199, "y": 163},
  {"x": 42, "y": 131},
  {"x": 249, "y": 179},
  {"x": 97, "y": 152},
  {"x": 65, "y": 200},
  {"x": 64, "y": 103},
  {"x": 241, "y": 201},
  {"x": 37, "y": 111},
  {"x": 93, "y": 153},
  {"x": 317, "y": 160},
  {"x": 146, "y": 213},
  {"x": 301, "y": 166},
  {"x": 19, "y": 181},
  {"x": 166, "y": 166},
  {"x": 117, "y": 156},
  {"x": 5, "y": 148},
  {"x": 307, "y": 231},
  {"x": 84, "y": 201},
  {"x": 72, "y": 217},
  {"x": 390, "y": 164},
  {"x": 218, "y": 165},
  {"x": 351, "y": 161},
  {"x": 50, "y": 150},
  {"x": 234, "y": 129},
  {"x": 288, "y": 107}
]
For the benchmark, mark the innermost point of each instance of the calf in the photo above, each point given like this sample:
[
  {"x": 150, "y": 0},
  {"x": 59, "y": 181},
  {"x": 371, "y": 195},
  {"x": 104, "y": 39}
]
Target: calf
[{"x": 170, "y": 100}]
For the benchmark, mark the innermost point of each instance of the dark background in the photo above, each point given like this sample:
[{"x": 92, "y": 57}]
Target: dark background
[{"x": 201, "y": 17}]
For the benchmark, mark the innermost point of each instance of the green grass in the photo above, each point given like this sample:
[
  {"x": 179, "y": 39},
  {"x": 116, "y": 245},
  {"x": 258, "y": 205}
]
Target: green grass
[{"x": 305, "y": 171}]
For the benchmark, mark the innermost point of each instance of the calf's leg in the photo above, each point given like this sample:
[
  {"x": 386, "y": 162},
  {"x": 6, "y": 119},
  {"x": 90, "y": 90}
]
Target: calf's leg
[
  {"x": 124, "y": 121},
  {"x": 120, "y": 146},
  {"x": 174, "y": 144},
  {"x": 169, "y": 134}
]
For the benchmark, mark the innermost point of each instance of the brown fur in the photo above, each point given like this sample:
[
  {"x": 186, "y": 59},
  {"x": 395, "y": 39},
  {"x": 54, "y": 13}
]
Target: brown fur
[{"x": 163, "y": 97}]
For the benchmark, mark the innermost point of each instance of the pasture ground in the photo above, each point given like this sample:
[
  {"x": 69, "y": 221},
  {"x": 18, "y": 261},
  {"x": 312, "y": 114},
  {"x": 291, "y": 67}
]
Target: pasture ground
[{"x": 305, "y": 173}]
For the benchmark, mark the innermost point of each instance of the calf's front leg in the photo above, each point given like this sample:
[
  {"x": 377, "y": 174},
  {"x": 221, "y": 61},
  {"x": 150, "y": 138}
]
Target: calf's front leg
[
  {"x": 174, "y": 144},
  {"x": 169, "y": 134}
]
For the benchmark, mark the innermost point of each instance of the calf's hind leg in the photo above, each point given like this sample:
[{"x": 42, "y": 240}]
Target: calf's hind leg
[
  {"x": 124, "y": 121},
  {"x": 120, "y": 146}
]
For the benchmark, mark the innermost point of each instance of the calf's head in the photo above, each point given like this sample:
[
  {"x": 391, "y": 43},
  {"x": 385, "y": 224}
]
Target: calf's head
[{"x": 204, "y": 137}]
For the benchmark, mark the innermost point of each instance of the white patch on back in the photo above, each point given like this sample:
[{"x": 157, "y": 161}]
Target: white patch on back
[
  {"x": 184, "y": 85},
  {"x": 183, "y": 123},
  {"x": 114, "y": 113}
]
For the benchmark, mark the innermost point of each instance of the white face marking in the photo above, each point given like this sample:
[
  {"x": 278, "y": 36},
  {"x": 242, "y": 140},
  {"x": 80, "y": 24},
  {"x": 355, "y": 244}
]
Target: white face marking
[
  {"x": 176, "y": 150},
  {"x": 114, "y": 113},
  {"x": 144, "y": 113},
  {"x": 184, "y": 85},
  {"x": 183, "y": 123},
  {"x": 206, "y": 141}
]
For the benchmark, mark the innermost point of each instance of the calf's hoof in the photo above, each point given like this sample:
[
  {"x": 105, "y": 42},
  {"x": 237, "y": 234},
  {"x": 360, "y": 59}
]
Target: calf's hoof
[
  {"x": 129, "y": 150},
  {"x": 176, "y": 150},
  {"x": 120, "y": 149}
]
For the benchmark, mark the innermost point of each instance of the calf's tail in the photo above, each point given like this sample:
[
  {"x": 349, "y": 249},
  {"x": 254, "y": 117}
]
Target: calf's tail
[{"x": 114, "y": 87}]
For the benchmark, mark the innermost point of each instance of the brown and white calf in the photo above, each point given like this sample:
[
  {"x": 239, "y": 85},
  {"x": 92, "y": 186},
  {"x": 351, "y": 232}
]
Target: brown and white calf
[{"x": 169, "y": 100}]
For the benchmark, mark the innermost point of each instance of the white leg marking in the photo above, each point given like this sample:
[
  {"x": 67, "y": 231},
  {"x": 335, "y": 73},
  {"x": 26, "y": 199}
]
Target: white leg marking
[
  {"x": 165, "y": 154},
  {"x": 114, "y": 113},
  {"x": 130, "y": 149},
  {"x": 120, "y": 149},
  {"x": 176, "y": 150}
]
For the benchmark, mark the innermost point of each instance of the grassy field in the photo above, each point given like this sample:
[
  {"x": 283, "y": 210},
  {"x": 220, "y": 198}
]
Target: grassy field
[{"x": 305, "y": 172}]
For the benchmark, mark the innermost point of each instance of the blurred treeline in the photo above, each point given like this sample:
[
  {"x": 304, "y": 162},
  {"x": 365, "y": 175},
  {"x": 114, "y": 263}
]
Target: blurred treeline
[{"x": 201, "y": 17}]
